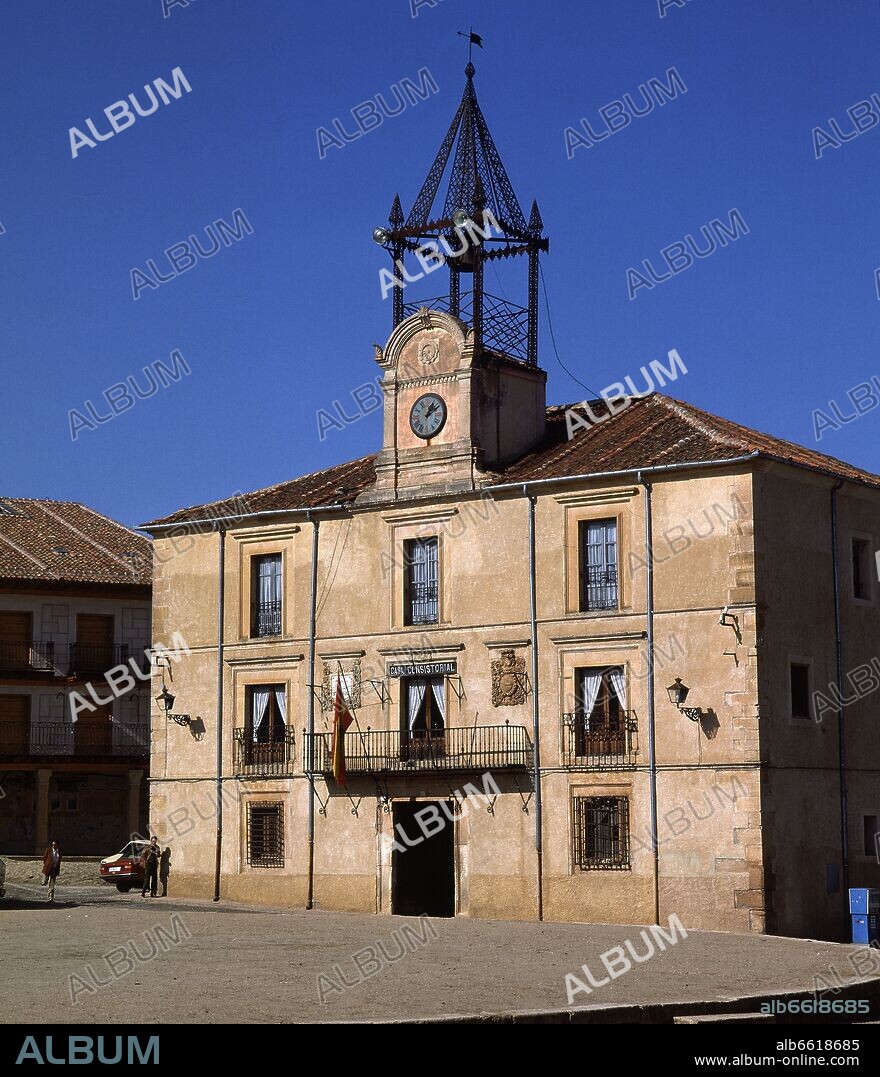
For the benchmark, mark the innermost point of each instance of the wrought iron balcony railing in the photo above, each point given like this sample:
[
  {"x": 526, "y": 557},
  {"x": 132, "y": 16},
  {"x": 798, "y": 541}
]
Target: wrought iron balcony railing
[
  {"x": 423, "y": 608},
  {"x": 26, "y": 656},
  {"x": 276, "y": 757},
  {"x": 95, "y": 658},
  {"x": 610, "y": 746},
  {"x": 103, "y": 739},
  {"x": 599, "y": 588},
  {"x": 268, "y": 620},
  {"x": 478, "y": 748}
]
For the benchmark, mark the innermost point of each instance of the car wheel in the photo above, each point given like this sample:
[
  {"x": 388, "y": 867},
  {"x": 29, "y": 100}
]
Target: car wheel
[{"x": 123, "y": 888}]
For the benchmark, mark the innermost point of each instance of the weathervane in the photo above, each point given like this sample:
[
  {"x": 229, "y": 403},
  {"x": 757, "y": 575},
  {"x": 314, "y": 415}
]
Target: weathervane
[{"x": 473, "y": 39}]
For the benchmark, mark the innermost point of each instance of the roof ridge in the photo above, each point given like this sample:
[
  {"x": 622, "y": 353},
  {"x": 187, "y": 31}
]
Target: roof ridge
[{"x": 685, "y": 412}]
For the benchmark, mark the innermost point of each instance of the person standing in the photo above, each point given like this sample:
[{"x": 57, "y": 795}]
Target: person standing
[
  {"x": 150, "y": 860},
  {"x": 52, "y": 867}
]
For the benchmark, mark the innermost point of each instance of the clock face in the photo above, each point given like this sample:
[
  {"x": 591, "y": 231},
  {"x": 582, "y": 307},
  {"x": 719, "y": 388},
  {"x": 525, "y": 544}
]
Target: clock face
[{"x": 428, "y": 416}]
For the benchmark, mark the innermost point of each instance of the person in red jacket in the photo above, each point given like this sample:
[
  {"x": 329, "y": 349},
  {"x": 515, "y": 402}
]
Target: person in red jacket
[{"x": 52, "y": 867}]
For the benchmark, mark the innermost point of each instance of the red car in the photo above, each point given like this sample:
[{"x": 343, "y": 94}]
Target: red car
[{"x": 124, "y": 869}]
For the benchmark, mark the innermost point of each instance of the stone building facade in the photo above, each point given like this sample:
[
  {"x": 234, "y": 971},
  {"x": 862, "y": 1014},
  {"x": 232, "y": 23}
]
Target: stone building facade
[{"x": 510, "y": 615}]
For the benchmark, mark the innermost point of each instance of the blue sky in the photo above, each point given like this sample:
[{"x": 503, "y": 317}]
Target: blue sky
[{"x": 280, "y": 324}]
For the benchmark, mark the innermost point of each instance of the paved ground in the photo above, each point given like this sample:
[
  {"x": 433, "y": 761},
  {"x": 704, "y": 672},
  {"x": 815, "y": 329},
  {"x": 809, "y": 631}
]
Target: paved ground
[{"x": 235, "y": 963}]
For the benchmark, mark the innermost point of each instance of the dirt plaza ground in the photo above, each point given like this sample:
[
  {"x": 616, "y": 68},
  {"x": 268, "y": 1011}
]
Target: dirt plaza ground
[{"x": 99, "y": 956}]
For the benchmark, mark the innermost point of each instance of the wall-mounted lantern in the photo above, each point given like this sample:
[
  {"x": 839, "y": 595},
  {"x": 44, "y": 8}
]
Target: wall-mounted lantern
[{"x": 678, "y": 693}]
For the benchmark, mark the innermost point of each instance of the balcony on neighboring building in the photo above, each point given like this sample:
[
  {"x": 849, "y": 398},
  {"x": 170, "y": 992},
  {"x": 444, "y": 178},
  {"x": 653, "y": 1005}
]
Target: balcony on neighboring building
[
  {"x": 95, "y": 659},
  {"x": 474, "y": 748},
  {"x": 268, "y": 759},
  {"x": 18, "y": 658},
  {"x": 28, "y": 741},
  {"x": 611, "y": 745}
]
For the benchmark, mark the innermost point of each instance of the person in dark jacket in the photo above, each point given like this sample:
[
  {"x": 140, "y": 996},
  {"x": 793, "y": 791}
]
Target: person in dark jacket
[
  {"x": 150, "y": 860},
  {"x": 52, "y": 867}
]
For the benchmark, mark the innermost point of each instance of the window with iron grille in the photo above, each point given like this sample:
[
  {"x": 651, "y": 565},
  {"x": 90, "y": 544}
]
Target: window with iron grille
[
  {"x": 422, "y": 575},
  {"x": 266, "y": 587},
  {"x": 598, "y": 564},
  {"x": 601, "y": 833},
  {"x": 265, "y": 835}
]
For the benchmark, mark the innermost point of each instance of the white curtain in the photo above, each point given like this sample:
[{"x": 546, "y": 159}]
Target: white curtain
[
  {"x": 260, "y": 706},
  {"x": 416, "y": 696},
  {"x": 591, "y": 682},
  {"x": 439, "y": 699},
  {"x": 281, "y": 703},
  {"x": 618, "y": 683}
]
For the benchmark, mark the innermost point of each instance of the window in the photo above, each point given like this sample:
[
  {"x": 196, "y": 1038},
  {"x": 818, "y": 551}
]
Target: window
[
  {"x": 861, "y": 569},
  {"x": 265, "y": 835},
  {"x": 601, "y": 833},
  {"x": 598, "y": 564},
  {"x": 266, "y": 604},
  {"x": 421, "y": 604},
  {"x": 600, "y": 718},
  {"x": 800, "y": 690},
  {"x": 871, "y": 835}
]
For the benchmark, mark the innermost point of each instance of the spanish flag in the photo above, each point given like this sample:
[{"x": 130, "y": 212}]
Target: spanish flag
[{"x": 341, "y": 721}]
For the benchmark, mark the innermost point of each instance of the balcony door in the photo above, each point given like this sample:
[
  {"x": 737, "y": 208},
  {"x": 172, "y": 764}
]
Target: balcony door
[
  {"x": 15, "y": 640},
  {"x": 266, "y": 728},
  {"x": 14, "y": 724},
  {"x": 424, "y": 717},
  {"x": 94, "y": 652},
  {"x": 93, "y": 731},
  {"x": 600, "y": 717}
]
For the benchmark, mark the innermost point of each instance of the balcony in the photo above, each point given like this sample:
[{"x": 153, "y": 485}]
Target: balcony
[
  {"x": 274, "y": 758},
  {"x": 97, "y": 740},
  {"x": 611, "y": 746},
  {"x": 478, "y": 748},
  {"x": 94, "y": 659},
  {"x": 27, "y": 656}
]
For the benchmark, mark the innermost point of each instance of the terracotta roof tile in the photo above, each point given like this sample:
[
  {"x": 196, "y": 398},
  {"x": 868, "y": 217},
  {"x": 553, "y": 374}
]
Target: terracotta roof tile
[
  {"x": 66, "y": 542},
  {"x": 652, "y": 431}
]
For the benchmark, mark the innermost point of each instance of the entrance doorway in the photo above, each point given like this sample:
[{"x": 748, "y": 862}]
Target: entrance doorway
[{"x": 423, "y": 874}]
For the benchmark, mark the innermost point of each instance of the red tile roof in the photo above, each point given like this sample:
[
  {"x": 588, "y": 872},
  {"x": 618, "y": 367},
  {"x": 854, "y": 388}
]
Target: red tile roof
[
  {"x": 65, "y": 542},
  {"x": 652, "y": 431}
]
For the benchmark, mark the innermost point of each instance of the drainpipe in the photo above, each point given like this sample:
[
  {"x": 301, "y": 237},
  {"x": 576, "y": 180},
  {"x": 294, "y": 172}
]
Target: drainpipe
[
  {"x": 536, "y": 733},
  {"x": 652, "y": 761},
  {"x": 310, "y": 723},
  {"x": 841, "y": 725},
  {"x": 221, "y": 534}
]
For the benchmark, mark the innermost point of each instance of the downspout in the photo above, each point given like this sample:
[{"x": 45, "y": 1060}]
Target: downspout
[
  {"x": 221, "y": 534},
  {"x": 652, "y": 761},
  {"x": 310, "y": 723},
  {"x": 841, "y": 724},
  {"x": 536, "y": 732}
]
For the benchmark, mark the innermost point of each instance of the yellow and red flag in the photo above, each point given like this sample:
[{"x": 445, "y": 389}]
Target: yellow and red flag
[{"x": 341, "y": 721}]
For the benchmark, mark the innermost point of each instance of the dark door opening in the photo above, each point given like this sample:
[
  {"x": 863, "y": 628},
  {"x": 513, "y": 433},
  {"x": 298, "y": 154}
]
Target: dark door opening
[{"x": 422, "y": 874}]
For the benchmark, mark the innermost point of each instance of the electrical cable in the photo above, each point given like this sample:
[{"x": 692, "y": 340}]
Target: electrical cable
[{"x": 553, "y": 337}]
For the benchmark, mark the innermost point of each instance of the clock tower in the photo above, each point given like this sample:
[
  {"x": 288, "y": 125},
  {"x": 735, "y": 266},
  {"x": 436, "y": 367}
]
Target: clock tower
[{"x": 463, "y": 391}]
